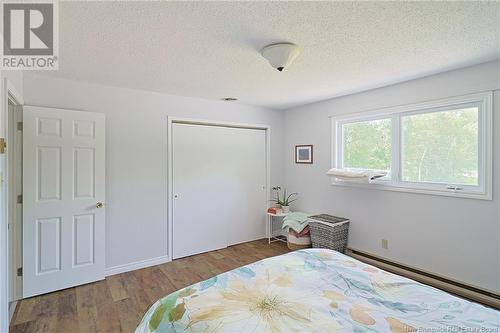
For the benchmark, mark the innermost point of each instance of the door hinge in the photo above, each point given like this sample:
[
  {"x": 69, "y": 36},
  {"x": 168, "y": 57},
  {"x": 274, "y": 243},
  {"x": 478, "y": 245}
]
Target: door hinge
[
  {"x": 19, "y": 125},
  {"x": 20, "y": 271},
  {"x": 3, "y": 145},
  {"x": 20, "y": 199}
]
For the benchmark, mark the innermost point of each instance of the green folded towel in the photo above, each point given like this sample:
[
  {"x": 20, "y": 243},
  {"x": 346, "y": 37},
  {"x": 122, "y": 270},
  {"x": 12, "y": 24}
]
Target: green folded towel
[{"x": 296, "y": 220}]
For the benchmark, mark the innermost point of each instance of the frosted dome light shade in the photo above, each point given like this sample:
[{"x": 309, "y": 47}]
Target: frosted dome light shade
[{"x": 280, "y": 55}]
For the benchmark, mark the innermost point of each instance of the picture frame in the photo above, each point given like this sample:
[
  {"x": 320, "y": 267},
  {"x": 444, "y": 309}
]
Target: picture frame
[{"x": 304, "y": 154}]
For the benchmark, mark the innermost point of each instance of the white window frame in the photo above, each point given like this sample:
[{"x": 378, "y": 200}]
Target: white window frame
[{"x": 394, "y": 181}]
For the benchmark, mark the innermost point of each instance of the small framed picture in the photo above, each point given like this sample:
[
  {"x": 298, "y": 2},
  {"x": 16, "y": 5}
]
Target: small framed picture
[{"x": 304, "y": 154}]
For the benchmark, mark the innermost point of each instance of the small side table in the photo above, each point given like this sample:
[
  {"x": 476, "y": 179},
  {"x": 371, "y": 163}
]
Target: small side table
[{"x": 269, "y": 227}]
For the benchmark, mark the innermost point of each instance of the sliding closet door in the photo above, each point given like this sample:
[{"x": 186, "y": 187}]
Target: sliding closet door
[
  {"x": 248, "y": 220},
  {"x": 219, "y": 177}
]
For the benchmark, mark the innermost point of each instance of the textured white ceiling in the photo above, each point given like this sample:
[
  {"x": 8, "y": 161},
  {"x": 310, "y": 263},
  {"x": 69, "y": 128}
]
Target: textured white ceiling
[{"x": 211, "y": 49}]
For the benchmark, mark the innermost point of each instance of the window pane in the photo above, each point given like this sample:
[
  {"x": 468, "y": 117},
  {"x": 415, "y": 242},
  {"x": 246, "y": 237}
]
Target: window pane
[
  {"x": 367, "y": 145},
  {"x": 441, "y": 147}
]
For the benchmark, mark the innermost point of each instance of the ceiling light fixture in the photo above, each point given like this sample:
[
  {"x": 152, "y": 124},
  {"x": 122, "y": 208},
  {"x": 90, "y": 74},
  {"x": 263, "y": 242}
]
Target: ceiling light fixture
[{"x": 280, "y": 55}]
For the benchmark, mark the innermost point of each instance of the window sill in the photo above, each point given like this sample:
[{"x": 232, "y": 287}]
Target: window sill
[{"x": 386, "y": 186}]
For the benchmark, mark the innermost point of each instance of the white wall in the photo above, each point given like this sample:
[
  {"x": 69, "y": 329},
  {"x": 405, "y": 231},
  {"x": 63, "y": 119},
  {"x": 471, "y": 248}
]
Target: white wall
[
  {"x": 136, "y": 154},
  {"x": 454, "y": 237}
]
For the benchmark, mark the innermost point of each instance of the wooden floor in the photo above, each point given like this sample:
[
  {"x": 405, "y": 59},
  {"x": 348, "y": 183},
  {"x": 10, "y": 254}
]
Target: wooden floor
[{"x": 118, "y": 303}]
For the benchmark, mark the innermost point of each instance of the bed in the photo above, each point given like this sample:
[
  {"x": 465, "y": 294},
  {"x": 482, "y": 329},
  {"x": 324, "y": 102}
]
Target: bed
[{"x": 314, "y": 290}]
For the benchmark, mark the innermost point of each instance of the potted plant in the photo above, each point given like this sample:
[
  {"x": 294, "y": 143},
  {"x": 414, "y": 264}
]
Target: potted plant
[{"x": 285, "y": 200}]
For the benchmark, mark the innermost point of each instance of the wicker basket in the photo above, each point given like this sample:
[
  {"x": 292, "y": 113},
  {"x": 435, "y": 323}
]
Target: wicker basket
[
  {"x": 294, "y": 247},
  {"x": 298, "y": 243},
  {"x": 329, "y": 232}
]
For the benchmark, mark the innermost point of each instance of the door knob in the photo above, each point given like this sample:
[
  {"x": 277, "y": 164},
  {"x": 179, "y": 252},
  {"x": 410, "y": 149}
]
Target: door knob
[{"x": 99, "y": 205}]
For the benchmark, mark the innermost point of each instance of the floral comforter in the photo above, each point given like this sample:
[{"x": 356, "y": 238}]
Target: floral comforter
[{"x": 314, "y": 290}]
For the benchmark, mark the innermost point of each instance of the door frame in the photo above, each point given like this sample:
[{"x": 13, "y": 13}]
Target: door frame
[
  {"x": 9, "y": 93},
  {"x": 13, "y": 190},
  {"x": 170, "y": 162}
]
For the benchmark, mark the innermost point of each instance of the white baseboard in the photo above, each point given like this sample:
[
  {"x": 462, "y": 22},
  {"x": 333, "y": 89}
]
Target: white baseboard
[
  {"x": 136, "y": 265},
  {"x": 12, "y": 309}
]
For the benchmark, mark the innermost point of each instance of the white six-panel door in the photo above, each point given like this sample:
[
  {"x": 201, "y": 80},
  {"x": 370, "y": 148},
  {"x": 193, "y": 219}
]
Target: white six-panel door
[
  {"x": 63, "y": 186},
  {"x": 219, "y": 187}
]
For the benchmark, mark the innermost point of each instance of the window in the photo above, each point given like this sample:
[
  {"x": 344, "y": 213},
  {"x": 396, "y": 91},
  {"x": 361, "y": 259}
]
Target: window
[
  {"x": 367, "y": 145},
  {"x": 442, "y": 147}
]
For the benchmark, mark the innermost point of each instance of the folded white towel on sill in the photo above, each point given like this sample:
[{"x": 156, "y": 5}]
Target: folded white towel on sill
[{"x": 357, "y": 176}]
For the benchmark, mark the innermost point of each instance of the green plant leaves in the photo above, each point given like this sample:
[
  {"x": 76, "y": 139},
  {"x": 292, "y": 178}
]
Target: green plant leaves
[{"x": 285, "y": 200}]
